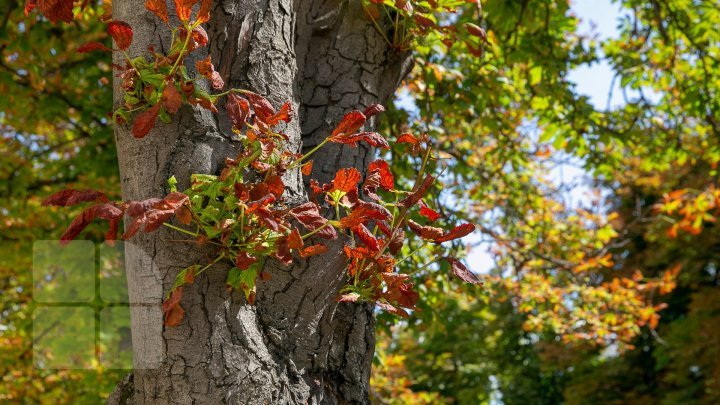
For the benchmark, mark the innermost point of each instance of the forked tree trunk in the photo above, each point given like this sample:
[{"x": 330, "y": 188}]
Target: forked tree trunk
[{"x": 296, "y": 344}]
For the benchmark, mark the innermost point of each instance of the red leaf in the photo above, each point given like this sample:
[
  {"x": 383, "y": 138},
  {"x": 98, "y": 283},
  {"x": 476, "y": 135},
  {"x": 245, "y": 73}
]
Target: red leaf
[
  {"x": 349, "y": 124},
  {"x": 396, "y": 243},
  {"x": 243, "y": 260},
  {"x": 461, "y": 271},
  {"x": 70, "y": 197},
  {"x": 171, "y": 308},
  {"x": 366, "y": 237},
  {"x": 285, "y": 114},
  {"x": 145, "y": 121},
  {"x": 152, "y": 213},
  {"x": 457, "y": 232},
  {"x": 346, "y": 179},
  {"x": 122, "y": 33},
  {"x": 204, "y": 12},
  {"x": 392, "y": 309},
  {"x": 407, "y": 138},
  {"x": 54, "y": 10},
  {"x": 93, "y": 46},
  {"x": 183, "y": 8},
  {"x": 419, "y": 193},
  {"x": 309, "y": 215},
  {"x": 29, "y": 6},
  {"x": 428, "y": 212},
  {"x": 106, "y": 211},
  {"x": 313, "y": 250},
  {"x": 159, "y": 7},
  {"x": 363, "y": 213},
  {"x": 426, "y": 232},
  {"x": 307, "y": 168},
  {"x": 373, "y": 109},
  {"x": 111, "y": 234},
  {"x": 372, "y": 138},
  {"x": 263, "y": 109},
  {"x": 238, "y": 109},
  {"x": 184, "y": 215},
  {"x": 295, "y": 240},
  {"x": 171, "y": 98},
  {"x": 199, "y": 37},
  {"x": 206, "y": 68},
  {"x": 387, "y": 181}
]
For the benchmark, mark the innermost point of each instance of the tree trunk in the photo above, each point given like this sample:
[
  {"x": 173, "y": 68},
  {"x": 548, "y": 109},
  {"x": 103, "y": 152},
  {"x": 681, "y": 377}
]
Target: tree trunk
[{"x": 296, "y": 344}]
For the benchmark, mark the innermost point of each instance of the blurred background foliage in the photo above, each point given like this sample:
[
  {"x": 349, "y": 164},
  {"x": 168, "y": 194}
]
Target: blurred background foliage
[{"x": 600, "y": 287}]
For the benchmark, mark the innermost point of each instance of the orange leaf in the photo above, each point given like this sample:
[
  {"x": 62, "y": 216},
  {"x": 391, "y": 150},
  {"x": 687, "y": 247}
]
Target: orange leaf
[
  {"x": 204, "y": 12},
  {"x": 171, "y": 98},
  {"x": 122, "y": 33},
  {"x": 346, "y": 179},
  {"x": 183, "y": 8},
  {"x": 159, "y": 7},
  {"x": 145, "y": 122}
]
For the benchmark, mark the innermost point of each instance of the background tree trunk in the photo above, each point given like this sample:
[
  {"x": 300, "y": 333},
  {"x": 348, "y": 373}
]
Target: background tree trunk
[{"x": 296, "y": 344}]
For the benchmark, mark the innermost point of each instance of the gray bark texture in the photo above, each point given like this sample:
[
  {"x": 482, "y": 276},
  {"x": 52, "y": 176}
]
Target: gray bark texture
[{"x": 296, "y": 344}]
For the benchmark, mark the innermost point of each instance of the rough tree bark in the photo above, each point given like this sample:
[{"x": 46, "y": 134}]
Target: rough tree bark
[{"x": 296, "y": 344}]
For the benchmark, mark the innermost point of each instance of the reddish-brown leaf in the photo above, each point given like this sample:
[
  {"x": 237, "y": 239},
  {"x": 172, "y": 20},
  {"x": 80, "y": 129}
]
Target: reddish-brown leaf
[
  {"x": 456, "y": 233},
  {"x": 145, "y": 121},
  {"x": 346, "y": 179},
  {"x": 419, "y": 193},
  {"x": 426, "y": 232},
  {"x": 29, "y": 6},
  {"x": 408, "y": 138},
  {"x": 309, "y": 215},
  {"x": 53, "y": 10},
  {"x": 313, "y": 250},
  {"x": 372, "y": 138},
  {"x": 387, "y": 181},
  {"x": 373, "y": 109},
  {"x": 307, "y": 168},
  {"x": 206, "y": 68},
  {"x": 159, "y": 7},
  {"x": 243, "y": 260},
  {"x": 461, "y": 271},
  {"x": 184, "y": 215},
  {"x": 183, "y": 8},
  {"x": 105, "y": 211},
  {"x": 93, "y": 46},
  {"x": 396, "y": 243},
  {"x": 285, "y": 115},
  {"x": 428, "y": 212},
  {"x": 204, "y": 12},
  {"x": 349, "y": 124},
  {"x": 392, "y": 309},
  {"x": 199, "y": 37},
  {"x": 364, "y": 212},
  {"x": 366, "y": 237},
  {"x": 70, "y": 197},
  {"x": 295, "y": 240},
  {"x": 111, "y": 234},
  {"x": 171, "y": 98},
  {"x": 171, "y": 308},
  {"x": 122, "y": 33},
  {"x": 262, "y": 107},
  {"x": 238, "y": 109}
]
